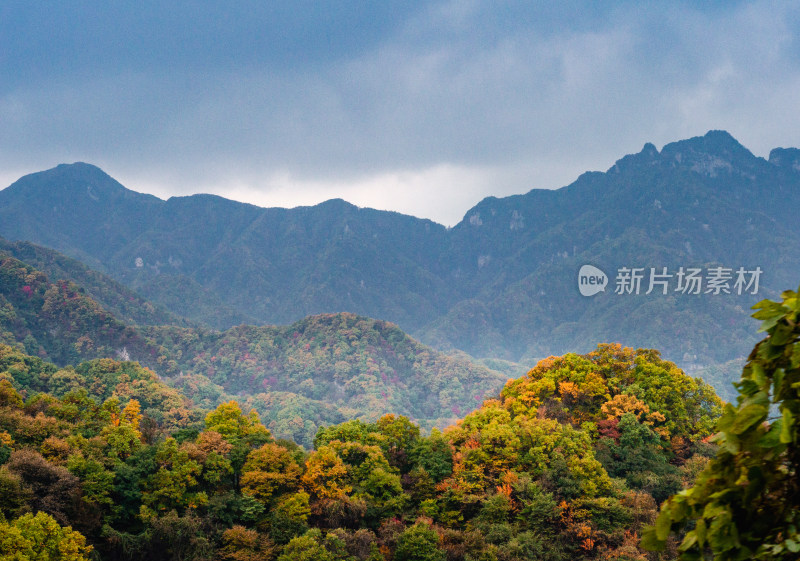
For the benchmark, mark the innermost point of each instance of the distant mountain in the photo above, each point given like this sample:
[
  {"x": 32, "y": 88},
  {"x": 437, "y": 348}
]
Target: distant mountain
[
  {"x": 320, "y": 370},
  {"x": 274, "y": 265},
  {"x": 701, "y": 203},
  {"x": 502, "y": 283}
]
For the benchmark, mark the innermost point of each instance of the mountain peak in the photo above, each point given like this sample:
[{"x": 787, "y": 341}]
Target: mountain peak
[
  {"x": 78, "y": 181},
  {"x": 81, "y": 167},
  {"x": 648, "y": 154},
  {"x": 715, "y": 143},
  {"x": 785, "y": 158},
  {"x": 68, "y": 177},
  {"x": 78, "y": 172},
  {"x": 649, "y": 149}
]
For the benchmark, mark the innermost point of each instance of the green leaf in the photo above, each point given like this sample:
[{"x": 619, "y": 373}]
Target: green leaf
[
  {"x": 786, "y": 429},
  {"x": 700, "y": 531},
  {"x": 748, "y": 387},
  {"x": 730, "y": 443},
  {"x": 758, "y": 398},
  {"x": 663, "y": 525},
  {"x": 650, "y": 541},
  {"x": 759, "y": 376},
  {"x": 781, "y": 335},
  {"x": 770, "y": 313},
  {"x": 688, "y": 541},
  {"x": 747, "y": 417},
  {"x": 727, "y": 418},
  {"x": 792, "y": 546},
  {"x": 777, "y": 380},
  {"x": 773, "y": 437},
  {"x": 769, "y": 352},
  {"x": 796, "y": 356},
  {"x": 712, "y": 510}
]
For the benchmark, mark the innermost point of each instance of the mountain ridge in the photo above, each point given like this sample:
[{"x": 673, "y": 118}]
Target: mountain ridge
[{"x": 500, "y": 283}]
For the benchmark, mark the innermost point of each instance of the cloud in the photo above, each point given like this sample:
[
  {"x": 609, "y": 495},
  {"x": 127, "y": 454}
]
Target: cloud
[{"x": 418, "y": 107}]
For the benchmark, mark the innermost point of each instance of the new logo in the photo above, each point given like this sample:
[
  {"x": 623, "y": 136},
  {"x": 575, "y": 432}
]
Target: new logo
[{"x": 591, "y": 280}]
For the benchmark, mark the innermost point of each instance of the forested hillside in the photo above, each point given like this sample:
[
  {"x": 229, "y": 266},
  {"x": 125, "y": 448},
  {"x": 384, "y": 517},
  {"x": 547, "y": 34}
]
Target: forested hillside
[
  {"x": 570, "y": 462},
  {"x": 320, "y": 370},
  {"x": 502, "y": 283},
  {"x": 125, "y": 304}
]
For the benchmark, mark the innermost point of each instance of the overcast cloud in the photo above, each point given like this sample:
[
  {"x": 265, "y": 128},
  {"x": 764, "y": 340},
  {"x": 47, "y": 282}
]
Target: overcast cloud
[{"x": 423, "y": 108}]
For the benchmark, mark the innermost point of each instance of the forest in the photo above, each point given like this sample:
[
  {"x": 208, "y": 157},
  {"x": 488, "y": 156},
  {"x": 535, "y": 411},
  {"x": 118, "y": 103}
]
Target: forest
[
  {"x": 290, "y": 443},
  {"x": 102, "y": 460}
]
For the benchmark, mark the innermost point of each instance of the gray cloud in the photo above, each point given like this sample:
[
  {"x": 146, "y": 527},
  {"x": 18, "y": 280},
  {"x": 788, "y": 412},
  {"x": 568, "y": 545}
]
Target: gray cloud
[{"x": 423, "y": 108}]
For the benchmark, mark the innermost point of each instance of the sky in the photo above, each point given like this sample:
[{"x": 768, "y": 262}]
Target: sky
[{"x": 423, "y": 108}]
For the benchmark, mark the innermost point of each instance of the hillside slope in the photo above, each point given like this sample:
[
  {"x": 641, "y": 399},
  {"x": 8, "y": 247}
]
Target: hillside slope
[{"x": 320, "y": 370}]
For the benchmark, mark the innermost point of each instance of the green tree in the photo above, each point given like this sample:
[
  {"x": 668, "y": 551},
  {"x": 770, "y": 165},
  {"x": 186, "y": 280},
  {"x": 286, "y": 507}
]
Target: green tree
[
  {"x": 243, "y": 432},
  {"x": 174, "y": 485},
  {"x": 312, "y": 546},
  {"x": 746, "y": 503},
  {"x": 419, "y": 543},
  {"x": 40, "y": 538},
  {"x": 640, "y": 459},
  {"x": 434, "y": 455}
]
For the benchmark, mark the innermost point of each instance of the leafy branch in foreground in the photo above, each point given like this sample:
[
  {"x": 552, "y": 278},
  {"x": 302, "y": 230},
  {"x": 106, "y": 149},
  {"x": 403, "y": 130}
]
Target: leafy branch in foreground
[{"x": 746, "y": 503}]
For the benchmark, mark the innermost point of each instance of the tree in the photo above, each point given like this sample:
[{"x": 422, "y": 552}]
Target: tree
[
  {"x": 434, "y": 454},
  {"x": 241, "y": 544},
  {"x": 269, "y": 471},
  {"x": 312, "y": 546},
  {"x": 746, "y": 502},
  {"x": 40, "y": 538},
  {"x": 400, "y": 435},
  {"x": 122, "y": 431},
  {"x": 243, "y": 432},
  {"x": 52, "y": 489},
  {"x": 419, "y": 543},
  {"x": 174, "y": 485}
]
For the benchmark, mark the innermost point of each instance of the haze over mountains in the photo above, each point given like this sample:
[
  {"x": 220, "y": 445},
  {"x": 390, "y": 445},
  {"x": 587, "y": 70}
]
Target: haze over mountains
[{"x": 501, "y": 283}]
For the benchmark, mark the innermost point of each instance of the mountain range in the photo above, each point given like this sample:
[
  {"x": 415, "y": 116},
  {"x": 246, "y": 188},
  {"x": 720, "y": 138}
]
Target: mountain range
[{"x": 502, "y": 283}]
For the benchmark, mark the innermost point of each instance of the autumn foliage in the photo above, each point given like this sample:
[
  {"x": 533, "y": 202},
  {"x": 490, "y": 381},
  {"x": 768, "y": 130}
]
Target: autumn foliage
[{"x": 568, "y": 462}]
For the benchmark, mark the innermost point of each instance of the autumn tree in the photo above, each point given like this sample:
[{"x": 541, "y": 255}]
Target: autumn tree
[
  {"x": 241, "y": 544},
  {"x": 52, "y": 489},
  {"x": 242, "y": 432},
  {"x": 270, "y": 471}
]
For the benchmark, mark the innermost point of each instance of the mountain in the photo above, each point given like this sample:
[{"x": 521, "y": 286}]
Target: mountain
[
  {"x": 502, "y": 283},
  {"x": 318, "y": 371},
  {"x": 274, "y": 265},
  {"x": 119, "y": 300},
  {"x": 701, "y": 202},
  {"x": 324, "y": 369},
  {"x": 58, "y": 321}
]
